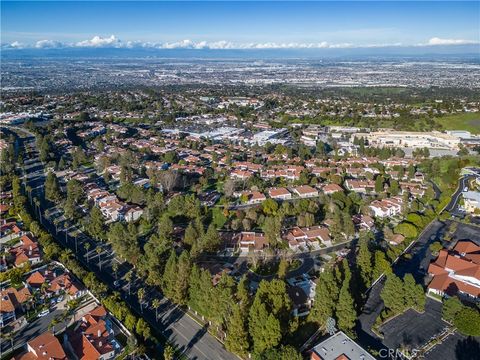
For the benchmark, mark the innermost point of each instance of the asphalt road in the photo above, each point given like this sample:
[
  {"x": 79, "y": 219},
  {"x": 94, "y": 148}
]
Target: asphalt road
[
  {"x": 453, "y": 204},
  {"x": 190, "y": 337}
]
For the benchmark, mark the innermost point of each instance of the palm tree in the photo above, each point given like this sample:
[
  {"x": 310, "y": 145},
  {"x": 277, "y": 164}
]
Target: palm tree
[
  {"x": 29, "y": 192},
  {"x": 98, "y": 250},
  {"x": 141, "y": 296},
  {"x": 156, "y": 305},
  {"x": 169, "y": 352},
  {"x": 129, "y": 277},
  {"x": 115, "y": 268},
  {"x": 87, "y": 246}
]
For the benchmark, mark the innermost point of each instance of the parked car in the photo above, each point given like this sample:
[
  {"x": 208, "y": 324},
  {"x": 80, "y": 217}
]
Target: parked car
[{"x": 44, "y": 313}]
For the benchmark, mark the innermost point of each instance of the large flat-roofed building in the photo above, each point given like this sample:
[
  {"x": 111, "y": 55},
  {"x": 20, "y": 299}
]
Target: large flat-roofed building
[
  {"x": 472, "y": 202},
  {"x": 339, "y": 346},
  {"x": 410, "y": 139}
]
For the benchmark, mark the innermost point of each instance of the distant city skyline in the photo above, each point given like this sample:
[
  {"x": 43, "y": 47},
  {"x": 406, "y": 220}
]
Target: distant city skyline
[{"x": 239, "y": 25}]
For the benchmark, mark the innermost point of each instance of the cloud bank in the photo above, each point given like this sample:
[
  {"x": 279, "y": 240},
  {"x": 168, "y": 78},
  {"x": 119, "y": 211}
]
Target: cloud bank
[{"x": 113, "y": 42}]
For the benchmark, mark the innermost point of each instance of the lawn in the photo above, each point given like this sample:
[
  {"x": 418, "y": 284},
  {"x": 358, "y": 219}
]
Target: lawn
[{"x": 462, "y": 121}]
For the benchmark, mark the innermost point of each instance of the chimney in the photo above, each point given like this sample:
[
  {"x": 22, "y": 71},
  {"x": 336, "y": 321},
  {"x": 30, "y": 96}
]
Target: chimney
[
  {"x": 100, "y": 344},
  {"x": 99, "y": 333}
]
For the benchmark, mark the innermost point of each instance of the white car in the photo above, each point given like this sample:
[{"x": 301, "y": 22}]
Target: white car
[{"x": 44, "y": 313}]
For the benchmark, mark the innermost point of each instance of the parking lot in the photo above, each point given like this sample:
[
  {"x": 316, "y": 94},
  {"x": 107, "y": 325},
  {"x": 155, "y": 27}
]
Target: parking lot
[
  {"x": 456, "y": 346},
  {"x": 413, "y": 329}
]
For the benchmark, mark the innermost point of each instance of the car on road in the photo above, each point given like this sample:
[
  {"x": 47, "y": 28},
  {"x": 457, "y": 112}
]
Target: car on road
[
  {"x": 44, "y": 313},
  {"x": 465, "y": 189}
]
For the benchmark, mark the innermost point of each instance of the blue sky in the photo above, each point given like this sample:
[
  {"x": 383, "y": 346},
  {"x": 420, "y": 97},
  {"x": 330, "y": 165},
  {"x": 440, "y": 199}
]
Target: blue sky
[{"x": 239, "y": 24}]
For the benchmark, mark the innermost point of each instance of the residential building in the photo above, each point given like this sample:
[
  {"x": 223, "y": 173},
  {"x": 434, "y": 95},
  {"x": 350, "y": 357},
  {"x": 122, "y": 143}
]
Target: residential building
[
  {"x": 12, "y": 301},
  {"x": 472, "y": 202},
  {"x": 250, "y": 241},
  {"x": 279, "y": 193},
  {"x": 387, "y": 207},
  {"x": 457, "y": 272},
  {"x": 305, "y": 191},
  {"x": 44, "y": 347},
  {"x": 339, "y": 347}
]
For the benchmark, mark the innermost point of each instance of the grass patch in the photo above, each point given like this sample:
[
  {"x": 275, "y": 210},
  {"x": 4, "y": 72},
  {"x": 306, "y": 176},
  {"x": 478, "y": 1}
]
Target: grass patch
[{"x": 462, "y": 121}]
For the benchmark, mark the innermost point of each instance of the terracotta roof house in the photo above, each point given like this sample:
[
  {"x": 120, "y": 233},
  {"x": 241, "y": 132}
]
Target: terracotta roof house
[
  {"x": 28, "y": 251},
  {"x": 331, "y": 188},
  {"x": 305, "y": 191},
  {"x": 308, "y": 236},
  {"x": 279, "y": 193},
  {"x": 250, "y": 241},
  {"x": 92, "y": 338},
  {"x": 11, "y": 301},
  {"x": 44, "y": 347},
  {"x": 457, "y": 272},
  {"x": 253, "y": 197}
]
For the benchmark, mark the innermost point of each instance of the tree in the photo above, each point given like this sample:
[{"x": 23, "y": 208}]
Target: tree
[
  {"x": 183, "y": 274},
  {"x": 390, "y": 294},
  {"x": 143, "y": 329},
  {"x": 364, "y": 262},
  {"x": 211, "y": 240},
  {"x": 237, "y": 334},
  {"x": 346, "y": 313},
  {"x": 168, "y": 352},
  {"x": 382, "y": 266},
  {"x": 264, "y": 328},
  {"x": 379, "y": 180},
  {"x": 270, "y": 207},
  {"x": 169, "y": 278},
  {"x": 52, "y": 189},
  {"x": 272, "y": 227},
  {"x": 96, "y": 223},
  {"x": 141, "y": 296},
  {"x": 326, "y": 296},
  {"x": 156, "y": 304},
  {"x": 282, "y": 353},
  {"x": 406, "y": 229},
  {"x": 467, "y": 321},
  {"x": 191, "y": 235},
  {"x": 282, "y": 268},
  {"x": 412, "y": 293},
  {"x": 450, "y": 308}
]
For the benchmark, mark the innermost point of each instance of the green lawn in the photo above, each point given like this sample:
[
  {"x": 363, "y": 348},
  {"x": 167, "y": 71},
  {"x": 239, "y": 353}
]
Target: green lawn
[{"x": 463, "y": 121}]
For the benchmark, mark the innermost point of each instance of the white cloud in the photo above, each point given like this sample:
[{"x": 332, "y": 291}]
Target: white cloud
[
  {"x": 14, "y": 45},
  {"x": 438, "y": 41},
  {"x": 48, "y": 44},
  {"x": 114, "y": 42},
  {"x": 98, "y": 41}
]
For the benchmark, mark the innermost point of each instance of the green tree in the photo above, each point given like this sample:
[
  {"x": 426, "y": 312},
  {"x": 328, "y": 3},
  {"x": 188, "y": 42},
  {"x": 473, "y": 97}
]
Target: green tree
[
  {"x": 406, "y": 229},
  {"x": 381, "y": 265},
  {"x": 270, "y": 207},
  {"x": 168, "y": 352},
  {"x": 413, "y": 293},
  {"x": 95, "y": 226},
  {"x": 390, "y": 295},
  {"x": 326, "y": 297},
  {"x": 182, "y": 276},
  {"x": 169, "y": 279},
  {"x": 467, "y": 321},
  {"x": 364, "y": 262},
  {"x": 52, "y": 189},
  {"x": 264, "y": 327},
  {"x": 346, "y": 313},
  {"x": 237, "y": 333},
  {"x": 450, "y": 308},
  {"x": 272, "y": 227}
]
